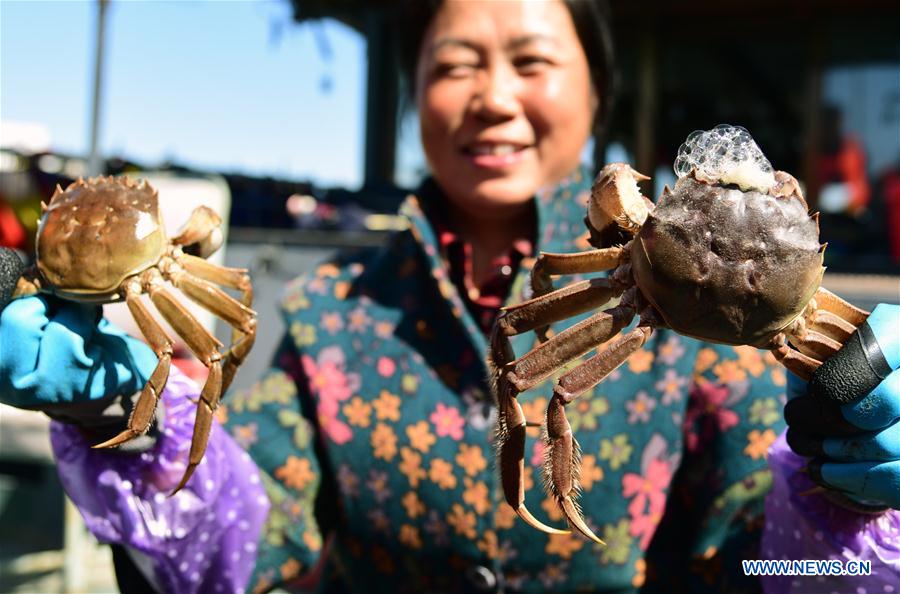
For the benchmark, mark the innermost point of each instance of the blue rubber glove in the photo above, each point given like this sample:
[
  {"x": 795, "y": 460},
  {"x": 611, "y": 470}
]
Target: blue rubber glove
[
  {"x": 854, "y": 442},
  {"x": 63, "y": 358}
]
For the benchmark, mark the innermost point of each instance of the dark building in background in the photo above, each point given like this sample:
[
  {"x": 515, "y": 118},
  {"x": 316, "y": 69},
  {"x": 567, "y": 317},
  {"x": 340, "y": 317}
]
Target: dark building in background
[{"x": 691, "y": 64}]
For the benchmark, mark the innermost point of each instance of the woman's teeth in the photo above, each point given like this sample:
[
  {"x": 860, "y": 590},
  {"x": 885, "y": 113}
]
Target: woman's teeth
[{"x": 495, "y": 149}]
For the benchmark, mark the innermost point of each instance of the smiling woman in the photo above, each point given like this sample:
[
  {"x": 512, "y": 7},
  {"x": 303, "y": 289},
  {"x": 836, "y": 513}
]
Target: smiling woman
[
  {"x": 507, "y": 99},
  {"x": 506, "y": 102}
]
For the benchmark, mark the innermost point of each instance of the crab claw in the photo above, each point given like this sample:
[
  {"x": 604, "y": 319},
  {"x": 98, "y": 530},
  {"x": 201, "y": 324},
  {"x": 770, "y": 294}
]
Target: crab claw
[
  {"x": 573, "y": 515},
  {"x": 512, "y": 457},
  {"x": 201, "y": 234},
  {"x": 563, "y": 463},
  {"x": 616, "y": 199}
]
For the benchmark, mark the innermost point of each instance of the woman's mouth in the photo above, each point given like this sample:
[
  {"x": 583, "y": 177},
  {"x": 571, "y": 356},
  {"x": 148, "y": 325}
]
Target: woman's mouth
[{"x": 495, "y": 155}]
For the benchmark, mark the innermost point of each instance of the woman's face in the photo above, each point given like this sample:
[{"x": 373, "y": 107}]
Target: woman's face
[{"x": 505, "y": 101}]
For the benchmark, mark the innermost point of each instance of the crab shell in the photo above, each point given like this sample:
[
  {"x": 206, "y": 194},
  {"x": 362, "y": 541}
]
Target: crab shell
[
  {"x": 729, "y": 266},
  {"x": 97, "y": 233}
]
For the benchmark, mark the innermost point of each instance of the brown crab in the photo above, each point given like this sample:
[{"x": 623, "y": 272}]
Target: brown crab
[
  {"x": 711, "y": 260},
  {"x": 102, "y": 241}
]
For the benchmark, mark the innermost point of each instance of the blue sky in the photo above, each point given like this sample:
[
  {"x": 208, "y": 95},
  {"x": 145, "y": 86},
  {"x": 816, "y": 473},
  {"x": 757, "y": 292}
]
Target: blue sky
[
  {"x": 238, "y": 86},
  {"x": 230, "y": 86}
]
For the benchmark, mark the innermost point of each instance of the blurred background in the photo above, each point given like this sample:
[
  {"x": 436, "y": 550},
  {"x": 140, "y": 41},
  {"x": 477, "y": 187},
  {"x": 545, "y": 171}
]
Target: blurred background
[{"x": 287, "y": 117}]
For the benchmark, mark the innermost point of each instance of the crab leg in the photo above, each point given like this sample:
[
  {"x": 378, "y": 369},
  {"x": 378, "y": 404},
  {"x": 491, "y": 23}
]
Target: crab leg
[
  {"x": 796, "y": 362},
  {"x": 828, "y": 301},
  {"x": 814, "y": 344},
  {"x": 511, "y": 425},
  {"x": 511, "y": 455},
  {"x": 162, "y": 345},
  {"x": 538, "y": 313},
  {"x": 594, "y": 370},
  {"x": 211, "y": 297},
  {"x": 538, "y": 364},
  {"x": 595, "y": 260},
  {"x": 205, "y": 346},
  {"x": 562, "y": 449},
  {"x": 532, "y": 368},
  {"x": 234, "y": 278},
  {"x": 240, "y": 317},
  {"x": 831, "y": 325}
]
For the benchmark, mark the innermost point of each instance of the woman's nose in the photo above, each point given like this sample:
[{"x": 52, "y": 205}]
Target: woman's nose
[{"x": 497, "y": 97}]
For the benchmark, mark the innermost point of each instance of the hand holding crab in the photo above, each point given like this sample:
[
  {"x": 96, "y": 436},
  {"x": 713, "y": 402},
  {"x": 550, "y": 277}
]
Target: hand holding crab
[
  {"x": 730, "y": 255},
  {"x": 847, "y": 418},
  {"x": 102, "y": 241}
]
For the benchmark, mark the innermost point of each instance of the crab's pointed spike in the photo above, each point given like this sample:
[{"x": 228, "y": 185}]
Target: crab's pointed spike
[
  {"x": 43, "y": 207},
  {"x": 124, "y": 436},
  {"x": 640, "y": 176},
  {"x": 576, "y": 521},
  {"x": 187, "y": 476},
  {"x": 822, "y": 247},
  {"x": 535, "y": 523}
]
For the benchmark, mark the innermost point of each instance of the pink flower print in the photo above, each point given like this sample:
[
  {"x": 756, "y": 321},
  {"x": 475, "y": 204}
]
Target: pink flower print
[
  {"x": 648, "y": 491},
  {"x": 338, "y": 431},
  {"x": 712, "y": 399},
  {"x": 386, "y": 367},
  {"x": 327, "y": 377},
  {"x": 447, "y": 422},
  {"x": 331, "y": 384},
  {"x": 706, "y": 414},
  {"x": 644, "y": 526},
  {"x": 671, "y": 386},
  {"x": 537, "y": 457}
]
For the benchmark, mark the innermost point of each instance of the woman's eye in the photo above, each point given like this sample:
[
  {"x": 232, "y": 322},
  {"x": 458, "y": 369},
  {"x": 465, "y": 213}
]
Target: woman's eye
[
  {"x": 531, "y": 63},
  {"x": 454, "y": 69}
]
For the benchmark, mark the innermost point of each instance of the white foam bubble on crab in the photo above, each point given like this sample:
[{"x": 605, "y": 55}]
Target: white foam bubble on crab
[{"x": 726, "y": 155}]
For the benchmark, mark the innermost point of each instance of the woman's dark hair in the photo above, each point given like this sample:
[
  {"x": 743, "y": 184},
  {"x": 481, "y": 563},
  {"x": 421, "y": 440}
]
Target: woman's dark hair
[{"x": 592, "y": 24}]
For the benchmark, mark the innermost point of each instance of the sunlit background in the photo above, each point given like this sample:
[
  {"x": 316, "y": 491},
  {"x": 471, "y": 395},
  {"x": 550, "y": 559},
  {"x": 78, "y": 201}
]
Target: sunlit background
[
  {"x": 213, "y": 86},
  {"x": 286, "y": 116}
]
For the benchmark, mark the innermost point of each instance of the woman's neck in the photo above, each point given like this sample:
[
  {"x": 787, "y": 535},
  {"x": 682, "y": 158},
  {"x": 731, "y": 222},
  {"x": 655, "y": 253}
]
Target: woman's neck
[{"x": 491, "y": 238}]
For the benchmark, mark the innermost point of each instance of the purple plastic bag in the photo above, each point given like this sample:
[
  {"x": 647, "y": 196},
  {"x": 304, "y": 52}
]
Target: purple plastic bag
[
  {"x": 808, "y": 526},
  {"x": 204, "y": 538}
]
